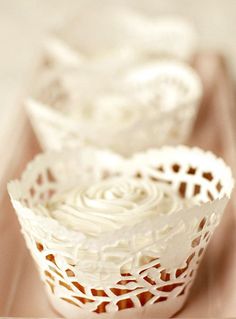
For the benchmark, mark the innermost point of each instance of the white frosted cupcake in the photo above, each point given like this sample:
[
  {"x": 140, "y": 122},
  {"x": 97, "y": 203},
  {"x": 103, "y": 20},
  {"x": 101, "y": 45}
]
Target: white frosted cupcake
[
  {"x": 153, "y": 104},
  {"x": 114, "y": 35},
  {"x": 120, "y": 236}
]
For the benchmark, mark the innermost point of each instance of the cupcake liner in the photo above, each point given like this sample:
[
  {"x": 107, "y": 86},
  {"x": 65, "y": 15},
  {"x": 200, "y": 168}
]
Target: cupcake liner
[
  {"x": 86, "y": 276},
  {"x": 120, "y": 32},
  {"x": 154, "y": 104}
]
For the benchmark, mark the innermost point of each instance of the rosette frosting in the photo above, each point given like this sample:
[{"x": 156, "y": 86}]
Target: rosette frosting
[{"x": 112, "y": 203}]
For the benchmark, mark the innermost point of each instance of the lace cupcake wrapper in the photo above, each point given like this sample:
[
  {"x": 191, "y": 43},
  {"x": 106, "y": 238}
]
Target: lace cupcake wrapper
[
  {"x": 166, "y": 96},
  {"x": 80, "y": 273}
]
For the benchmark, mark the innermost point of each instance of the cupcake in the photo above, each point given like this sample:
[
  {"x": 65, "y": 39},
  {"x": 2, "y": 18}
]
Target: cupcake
[
  {"x": 116, "y": 35},
  {"x": 153, "y": 103},
  {"x": 115, "y": 236}
]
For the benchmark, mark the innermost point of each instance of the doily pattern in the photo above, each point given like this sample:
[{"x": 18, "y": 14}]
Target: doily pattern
[
  {"x": 78, "y": 271},
  {"x": 154, "y": 104}
]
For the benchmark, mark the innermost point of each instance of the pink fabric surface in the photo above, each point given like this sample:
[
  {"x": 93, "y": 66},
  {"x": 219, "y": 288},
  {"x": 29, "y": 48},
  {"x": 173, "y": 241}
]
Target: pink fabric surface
[{"x": 214, "y": 291}]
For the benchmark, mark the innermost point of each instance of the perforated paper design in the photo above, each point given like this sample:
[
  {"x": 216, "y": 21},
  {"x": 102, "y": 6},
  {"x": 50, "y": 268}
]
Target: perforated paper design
[
  {"x": 174, "y": 244},
  {"x": 154, "y": 104}
]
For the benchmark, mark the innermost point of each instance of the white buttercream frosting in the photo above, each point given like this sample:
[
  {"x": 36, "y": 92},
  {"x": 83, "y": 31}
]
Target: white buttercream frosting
[{"x": 111, "y": 204}]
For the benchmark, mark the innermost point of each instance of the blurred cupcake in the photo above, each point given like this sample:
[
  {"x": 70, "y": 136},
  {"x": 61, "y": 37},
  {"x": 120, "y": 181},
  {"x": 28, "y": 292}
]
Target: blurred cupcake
[
  {"x": 116, "y": 35},
  {"x": 120, "y": 236},
  {"x": 151, "y": 104}
]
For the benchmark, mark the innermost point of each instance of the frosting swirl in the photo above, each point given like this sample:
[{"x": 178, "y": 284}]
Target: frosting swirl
[{"x": 112, "y": 204}]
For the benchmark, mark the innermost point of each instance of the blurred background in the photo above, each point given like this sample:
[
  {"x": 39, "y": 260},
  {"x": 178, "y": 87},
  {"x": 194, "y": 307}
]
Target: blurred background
[{"x": 24, "y": 23}]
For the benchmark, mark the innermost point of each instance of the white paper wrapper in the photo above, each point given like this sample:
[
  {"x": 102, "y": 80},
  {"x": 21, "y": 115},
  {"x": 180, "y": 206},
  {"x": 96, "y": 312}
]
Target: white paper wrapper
[
  {"x": 153, "y": 104},
  {"x": 120, "y": 34},
  {"x": 173, "y": 243}
]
